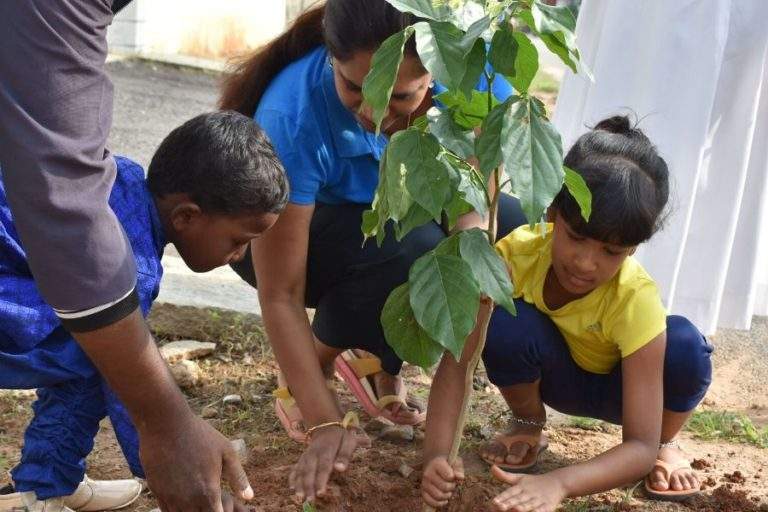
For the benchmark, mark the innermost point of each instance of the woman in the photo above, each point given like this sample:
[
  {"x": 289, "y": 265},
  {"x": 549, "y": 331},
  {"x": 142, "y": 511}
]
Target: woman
[{"x": 304, "y": 89}]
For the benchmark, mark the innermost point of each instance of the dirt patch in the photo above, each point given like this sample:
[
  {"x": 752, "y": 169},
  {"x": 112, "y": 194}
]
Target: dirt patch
[{"x": 242, "y": 364}]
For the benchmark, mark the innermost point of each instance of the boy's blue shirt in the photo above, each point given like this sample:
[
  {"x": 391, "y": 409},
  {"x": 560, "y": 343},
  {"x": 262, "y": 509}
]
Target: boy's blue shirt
[{"x": 25, "y": 318}]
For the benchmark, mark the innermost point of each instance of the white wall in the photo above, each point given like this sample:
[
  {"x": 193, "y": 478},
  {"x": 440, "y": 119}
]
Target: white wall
[{"x": 196, "y": 28}]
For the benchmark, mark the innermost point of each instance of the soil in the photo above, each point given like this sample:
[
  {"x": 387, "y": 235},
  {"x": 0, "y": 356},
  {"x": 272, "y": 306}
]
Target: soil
[{"x": 386, "y": 476}]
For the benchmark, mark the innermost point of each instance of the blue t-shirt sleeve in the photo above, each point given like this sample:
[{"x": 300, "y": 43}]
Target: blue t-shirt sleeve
[
  {"x": 299, "y": 153},
  {"x": 502, "y": 89}
]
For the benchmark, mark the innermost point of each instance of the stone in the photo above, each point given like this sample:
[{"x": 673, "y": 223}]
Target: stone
[
  {"x": 186, "y": 373},
  {"x": 248, "y": 360},
  {"x": 405, "y": 470},
  {"x": 209, "y": 412},
  {"x": 397, "y": 433},
  {"x": 240, "y": 449},
  {"x": 185, "y": 350},
  {"x": 232, "y": 400}
]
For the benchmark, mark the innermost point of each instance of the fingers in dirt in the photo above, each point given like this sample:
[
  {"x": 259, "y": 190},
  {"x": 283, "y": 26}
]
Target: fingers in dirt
[{"x": 235, "y": 474}]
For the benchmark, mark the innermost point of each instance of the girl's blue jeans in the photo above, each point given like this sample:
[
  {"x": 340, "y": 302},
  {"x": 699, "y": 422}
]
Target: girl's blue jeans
[{"x": 528, "y": 347}]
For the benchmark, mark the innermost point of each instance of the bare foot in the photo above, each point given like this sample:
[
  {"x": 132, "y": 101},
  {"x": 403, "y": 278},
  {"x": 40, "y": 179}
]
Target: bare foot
[
  {"x": 683, "y": 479},
  {"x": 503, "y": 450},
  {"x": 527, "y": 493}
]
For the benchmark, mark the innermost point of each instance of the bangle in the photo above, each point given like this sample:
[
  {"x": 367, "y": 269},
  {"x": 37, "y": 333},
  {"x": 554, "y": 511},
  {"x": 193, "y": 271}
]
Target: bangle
[{"x": 350, "y": 421}]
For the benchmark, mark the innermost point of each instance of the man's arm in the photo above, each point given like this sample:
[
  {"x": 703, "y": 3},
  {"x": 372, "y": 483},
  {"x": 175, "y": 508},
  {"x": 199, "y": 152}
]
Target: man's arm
[{"x": 55, "y": 116}]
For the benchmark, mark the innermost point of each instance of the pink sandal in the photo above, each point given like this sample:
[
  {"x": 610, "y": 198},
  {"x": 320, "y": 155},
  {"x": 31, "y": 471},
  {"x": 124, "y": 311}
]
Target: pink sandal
[{"x": 356, "y": 372}]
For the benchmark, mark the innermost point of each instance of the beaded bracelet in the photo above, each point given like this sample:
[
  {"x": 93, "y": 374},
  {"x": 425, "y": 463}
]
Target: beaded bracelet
[{"x": 350, "y": 421}]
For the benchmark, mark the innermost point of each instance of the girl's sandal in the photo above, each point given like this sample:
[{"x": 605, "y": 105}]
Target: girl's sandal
[
  {"x": 357, "y": 372},
  {"x": 536, "y": 446},
  {"x": 669, "y": 495}
]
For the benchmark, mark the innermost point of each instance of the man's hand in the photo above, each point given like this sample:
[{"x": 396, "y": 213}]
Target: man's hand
[{"x": 185, "y": 463}]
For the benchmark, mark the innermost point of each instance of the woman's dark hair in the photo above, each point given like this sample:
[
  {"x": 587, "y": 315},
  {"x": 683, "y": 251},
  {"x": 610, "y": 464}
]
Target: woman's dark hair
[
  {"x": 224, "y": 162},
  {"x": 345, "y": 27},
  {"x": 628, "y": 179}
]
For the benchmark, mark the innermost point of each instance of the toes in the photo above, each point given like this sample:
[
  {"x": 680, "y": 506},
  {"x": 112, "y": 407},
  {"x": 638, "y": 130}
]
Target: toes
[
  {"x": 517, "y": 453},
  {"x": 494, "y": 451},
  {"x": 659, "y": 481},
  {"x": 675, "y": 483}
]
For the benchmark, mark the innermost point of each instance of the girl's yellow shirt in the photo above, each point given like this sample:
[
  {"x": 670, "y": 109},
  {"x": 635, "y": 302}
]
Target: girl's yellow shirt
[{"x": 610, "y": 323}]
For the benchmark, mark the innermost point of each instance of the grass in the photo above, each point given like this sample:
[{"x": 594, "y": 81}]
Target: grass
[
  {"x": 545, "y": 83},
  {"x": 728, "y": 426},
  {"x": 585, "y": 423}
]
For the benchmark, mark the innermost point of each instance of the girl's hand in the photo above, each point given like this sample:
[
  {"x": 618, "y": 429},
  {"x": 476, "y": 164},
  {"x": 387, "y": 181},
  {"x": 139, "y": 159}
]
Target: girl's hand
[
  {"x": 528, "y": 493},
  {"x": 439, "y": 480},
  {"x": 329, "y": 450}
]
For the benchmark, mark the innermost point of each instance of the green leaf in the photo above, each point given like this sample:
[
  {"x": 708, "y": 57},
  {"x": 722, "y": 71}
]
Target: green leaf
[
  {"x": 417, "y": 174},
  {"x": 308, "y": 507},
  {"x": 416, "y": 216},
  {"x": 514, "y": 56},
  {"x": 449, "y": 246},
  {"x": 378, "y": 84},
  {"x": 475, "y": 65},
  {"x": 468, "y": 113},
  {"x": 436, "y": 10},
  {"x": 495, "y": 128},
  {"x": 448, "y": 132},
  {"x": 555, "y": 26},
  {"x": 533, "y": 158},
  {"x": 451, "y": 56},
  {"x": 488, "y": 268},
  {"x": 394, "y": 172},
  {"x": 469, "y": 184},
  {"x": 370, "y": 223},
  {"x": 445, "y": 298},
  {"x": 578, "y": 188},
  {"x": 404, "y": 334},
  {"x": 455, "y": 208}
]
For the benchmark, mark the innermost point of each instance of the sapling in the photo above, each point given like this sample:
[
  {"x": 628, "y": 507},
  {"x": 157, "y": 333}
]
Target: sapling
[{"x": 459, "y": 157}]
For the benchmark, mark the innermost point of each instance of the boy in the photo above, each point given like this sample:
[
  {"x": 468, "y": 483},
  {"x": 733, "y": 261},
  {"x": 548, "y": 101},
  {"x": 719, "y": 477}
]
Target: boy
[{"x": 213, "y": 185}]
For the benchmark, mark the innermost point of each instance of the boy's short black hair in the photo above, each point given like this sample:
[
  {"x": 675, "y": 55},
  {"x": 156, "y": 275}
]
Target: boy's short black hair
[
  {"x": 224, "y": 162},
  {"x": 628, "y": 179}
]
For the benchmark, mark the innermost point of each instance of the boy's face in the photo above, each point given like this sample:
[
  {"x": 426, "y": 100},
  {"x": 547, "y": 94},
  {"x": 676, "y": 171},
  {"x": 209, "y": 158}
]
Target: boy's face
[
  {"x": 206, "y": 241},
  {"x": 583, "y": 264}
]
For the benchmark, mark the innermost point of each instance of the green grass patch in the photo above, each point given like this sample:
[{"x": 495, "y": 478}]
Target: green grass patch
[
  {"x": 545, "y": 83},
  {"x": 728, "y": 426},
  {"x": 5, "y": 464},
  {"x": 585, "y": 423}
]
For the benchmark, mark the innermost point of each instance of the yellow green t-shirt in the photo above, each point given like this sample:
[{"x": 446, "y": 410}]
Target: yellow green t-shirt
[{"x": 611, "y": 322}]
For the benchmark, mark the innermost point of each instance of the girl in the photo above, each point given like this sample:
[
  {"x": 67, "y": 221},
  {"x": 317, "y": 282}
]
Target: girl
[
  {"x": 590, "y": 338},
  {"x": 304, "y": 89}
]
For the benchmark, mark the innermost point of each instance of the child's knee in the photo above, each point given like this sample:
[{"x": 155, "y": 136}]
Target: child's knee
[{"x": 688, "y": 367}]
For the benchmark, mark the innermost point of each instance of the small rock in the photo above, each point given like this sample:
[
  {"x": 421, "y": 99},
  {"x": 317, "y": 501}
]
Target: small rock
[
  {"x": 186, "y": 373},
  {"x": 248, "y": 360},
  {"x": 209, "y": 412},
  {"x": 709, "y": 402},
  {"x": 397, "y": 433},
  {"x": 240, "y": 449},
  {"x": 486, "y": 432},
  {"x": 224, "y": 358},
  {"x": 232, "y": 400},
  {"x": 185, "y": 350},
  {"x": 405, "y": 470}
]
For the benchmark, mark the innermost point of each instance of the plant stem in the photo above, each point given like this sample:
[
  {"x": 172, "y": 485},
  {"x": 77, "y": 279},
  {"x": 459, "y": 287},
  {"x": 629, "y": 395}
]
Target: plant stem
[{"x": 483, "y": 321}]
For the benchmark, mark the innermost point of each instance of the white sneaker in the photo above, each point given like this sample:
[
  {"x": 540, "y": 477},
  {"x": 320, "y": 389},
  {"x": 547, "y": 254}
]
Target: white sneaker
[
  {"x": 32, "y": 504},
  {"x": 93, "y": 495},
  {"x": 90, "y": 496}
]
